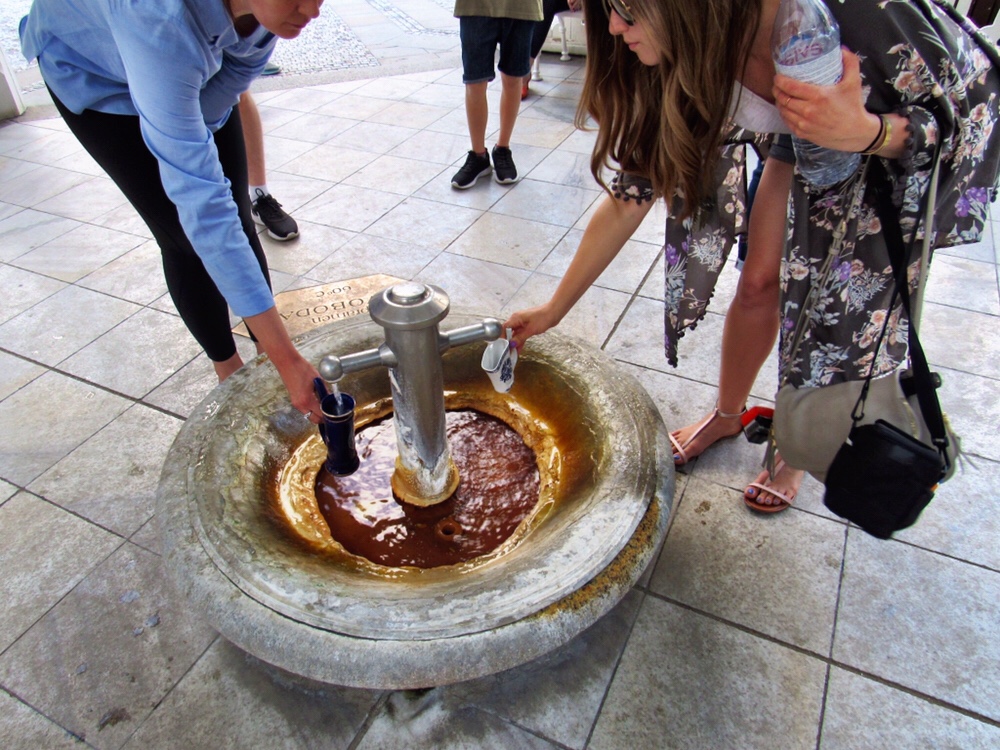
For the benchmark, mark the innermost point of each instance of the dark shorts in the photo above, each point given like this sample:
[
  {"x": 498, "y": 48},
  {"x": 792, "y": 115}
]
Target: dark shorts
[
  {"x": 781, "y": 149},
  {"x": 480, "y": 36}
]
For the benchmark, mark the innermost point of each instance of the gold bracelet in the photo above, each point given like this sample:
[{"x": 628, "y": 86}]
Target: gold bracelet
[
  {"x": 877, "y": 139},
  {"x": 888, "y": 136}
]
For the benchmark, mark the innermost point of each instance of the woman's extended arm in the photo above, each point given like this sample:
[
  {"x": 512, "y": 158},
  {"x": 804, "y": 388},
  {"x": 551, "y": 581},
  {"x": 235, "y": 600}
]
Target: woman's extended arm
[
  {"x": 614, "y": 222},
  {"x": 296, "y": 372}
]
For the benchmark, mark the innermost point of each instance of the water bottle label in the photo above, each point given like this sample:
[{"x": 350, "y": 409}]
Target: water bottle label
[{"x": 824, "y": 70}]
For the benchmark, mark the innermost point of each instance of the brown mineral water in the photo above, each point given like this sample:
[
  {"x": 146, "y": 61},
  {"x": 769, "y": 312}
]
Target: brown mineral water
[{"x": 498, "y": 489}]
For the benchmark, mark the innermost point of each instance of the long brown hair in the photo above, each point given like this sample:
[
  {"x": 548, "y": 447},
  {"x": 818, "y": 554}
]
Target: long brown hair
[{"x": 666, "y": 122}]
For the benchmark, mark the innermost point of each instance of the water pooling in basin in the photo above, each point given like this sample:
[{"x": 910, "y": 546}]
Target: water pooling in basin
[
  {"x": 513, "y": 466},
  {"x": 498, "y": 490}
]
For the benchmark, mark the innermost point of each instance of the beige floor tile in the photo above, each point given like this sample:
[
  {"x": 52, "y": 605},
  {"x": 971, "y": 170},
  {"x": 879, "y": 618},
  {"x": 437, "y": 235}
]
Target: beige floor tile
[
  {"x": 80, "y": 251},
  {"x": 921, "y": 620},
  {"x": 961, "y": 340},
  {"x": 45, "y": 183},
  {"x": 529, "y": 199},
  {"x": 475, "y": 285},
  {"x": 481, "y": 197},
  {"x": 47, "y": 147},
  {"x": 438, "y": 94},
  {"x": 351, "y": 208},
  {"x": 294, "y": 190},
  {"x": 375, "y": 137},
  {"x": 965, "y": 284},
  {"x": 365, "y": 255},
  {"x": 137, "y": 276},
  {"x": 353, "y": 107},
  {"x": 18, "y": 135},
  {"x": 27, "y": 229},
  {"x": 424, "y": 223},
  {"x": 228, "y": 701},
  {"x": 687, "y": 681},
  {"x": 148, "y": 537},
  {"x": 411, "y": 113},
  {"x": 973, "y": 409},
  {"x": 23, "y": 728},
  {"x": 111, "y": 650},
  {"x": 125, "y": 219},
  {"x": 111, "y": 479},
  {"x": 864, "y": 713},
  {"x": 7, "y": 491},
  {"x": 776, "y": 575},
  {"x": 86, "y": 201},
  {"x": 79, "y": 161},
  {"x": 454, "y": 124},
  {"x": 565, "y": 168},
  {"x": 393, "y": 88},
  {"x": 302, "y": 100},
  {"x": 558, "y": 695},
  {"x": 52, "y": 551},
  {"x": 47, "y": 419},
  {"x": 963, "y": 520},
  {"x": 415, "y": 725},
  {"x": 313, "y": 128},
  {"x": 137, "y": 355},
  {"x": 315, "y": 244},
  {"x": 625, "y": 273},
  {"x": 517, "y": 242},
  {"x": 7, "y": 210},
  {"x": 543, "y": 133},
  {"x": 15, "y": 373},
  {"x": 23, "y": 290},
  {"x": 328, "y": 162},
  {"x": 591, "y": 320},
  {"x": 394, "y": 174},
  {"x": 184, "y": 390}
]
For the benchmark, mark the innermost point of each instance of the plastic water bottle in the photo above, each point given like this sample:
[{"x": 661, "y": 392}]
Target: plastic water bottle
[{"x": 806, "y": 46}]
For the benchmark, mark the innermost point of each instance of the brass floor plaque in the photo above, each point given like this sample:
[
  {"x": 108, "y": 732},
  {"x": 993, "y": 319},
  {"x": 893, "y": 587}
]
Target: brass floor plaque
[{"x": 304, "y": 309}]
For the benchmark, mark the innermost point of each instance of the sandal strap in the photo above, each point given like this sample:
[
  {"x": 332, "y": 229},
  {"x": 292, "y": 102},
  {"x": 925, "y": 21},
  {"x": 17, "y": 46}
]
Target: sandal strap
[{"x": 727, "y": 415}]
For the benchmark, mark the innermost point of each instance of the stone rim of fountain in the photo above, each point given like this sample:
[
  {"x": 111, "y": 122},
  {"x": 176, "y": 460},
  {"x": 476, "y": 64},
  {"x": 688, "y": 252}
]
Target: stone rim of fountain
[{"x": 353, "y": 629}]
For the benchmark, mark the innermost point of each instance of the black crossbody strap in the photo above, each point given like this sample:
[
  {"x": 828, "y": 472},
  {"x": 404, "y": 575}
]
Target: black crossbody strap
[{"x": 923, "y": 381}]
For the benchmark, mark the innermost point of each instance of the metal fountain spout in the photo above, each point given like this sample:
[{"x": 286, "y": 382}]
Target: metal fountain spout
[{"x": 409, "y": 314}]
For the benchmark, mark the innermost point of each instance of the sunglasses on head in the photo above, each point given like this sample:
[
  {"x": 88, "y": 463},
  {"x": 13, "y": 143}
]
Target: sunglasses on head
[{"x": 621, "y": 8}]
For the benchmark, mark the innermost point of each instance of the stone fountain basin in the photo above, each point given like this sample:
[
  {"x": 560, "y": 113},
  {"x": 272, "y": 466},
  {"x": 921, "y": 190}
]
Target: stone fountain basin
[{"x": 327, "y": 616}]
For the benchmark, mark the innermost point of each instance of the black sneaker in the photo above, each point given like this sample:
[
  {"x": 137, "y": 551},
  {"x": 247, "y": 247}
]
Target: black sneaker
[
  {"x": 267, "y": 212},
  {"x": 504, "y": 170},
  {"x": 475, "y": 167}
]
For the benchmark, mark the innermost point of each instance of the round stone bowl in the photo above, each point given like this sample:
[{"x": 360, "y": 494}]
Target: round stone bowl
[{"x": 329, "y": 617}]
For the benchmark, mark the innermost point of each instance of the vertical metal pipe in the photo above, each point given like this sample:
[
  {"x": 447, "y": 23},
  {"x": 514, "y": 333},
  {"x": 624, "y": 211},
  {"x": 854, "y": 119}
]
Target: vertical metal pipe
[{"x": 409, "y": 313}]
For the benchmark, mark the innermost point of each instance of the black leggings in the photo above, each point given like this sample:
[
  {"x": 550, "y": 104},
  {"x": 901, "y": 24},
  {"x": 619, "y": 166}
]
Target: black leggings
[{"x": 115, "y": 142}]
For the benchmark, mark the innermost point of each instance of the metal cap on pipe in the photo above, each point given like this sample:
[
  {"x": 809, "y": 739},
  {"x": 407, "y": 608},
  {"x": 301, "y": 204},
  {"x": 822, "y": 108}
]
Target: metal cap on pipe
[{"x": 408, "y": 306}]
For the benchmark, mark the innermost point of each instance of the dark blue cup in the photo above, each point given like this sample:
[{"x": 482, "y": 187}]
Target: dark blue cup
[{"x": 337, "y": 431}]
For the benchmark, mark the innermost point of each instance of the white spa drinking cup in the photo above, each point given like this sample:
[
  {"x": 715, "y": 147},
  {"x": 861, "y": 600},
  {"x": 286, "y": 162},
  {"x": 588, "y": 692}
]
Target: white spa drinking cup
[{"x": 498, "y": 362}]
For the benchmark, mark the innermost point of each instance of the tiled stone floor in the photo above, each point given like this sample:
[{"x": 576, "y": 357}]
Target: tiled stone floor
[{"x": 792, "y": 631}]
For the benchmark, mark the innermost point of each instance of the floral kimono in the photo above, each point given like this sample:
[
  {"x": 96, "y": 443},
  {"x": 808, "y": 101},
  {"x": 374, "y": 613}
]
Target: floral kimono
[{"x": 917, "y": 62}]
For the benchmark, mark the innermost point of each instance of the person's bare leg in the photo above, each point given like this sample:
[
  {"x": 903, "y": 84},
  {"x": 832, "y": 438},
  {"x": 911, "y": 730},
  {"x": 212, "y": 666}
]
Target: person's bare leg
[
  {"x": 752, "y": 319},
  {"x": 253, "y": 136},
  {"x": 477, "y": 114},
  {"x": 510, "y": 104}
]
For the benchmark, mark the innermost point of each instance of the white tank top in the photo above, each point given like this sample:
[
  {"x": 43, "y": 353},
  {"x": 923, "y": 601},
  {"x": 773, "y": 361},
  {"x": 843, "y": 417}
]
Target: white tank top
[{"x": 755, "y": 113}]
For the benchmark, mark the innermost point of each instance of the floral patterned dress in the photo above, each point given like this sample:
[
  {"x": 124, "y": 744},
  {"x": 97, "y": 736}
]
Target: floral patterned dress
[{"x": 915, "y": 61}]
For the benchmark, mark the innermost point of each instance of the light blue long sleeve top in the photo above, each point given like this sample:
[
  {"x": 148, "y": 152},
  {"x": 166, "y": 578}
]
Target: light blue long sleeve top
[{"x": 181, "y": 67}]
